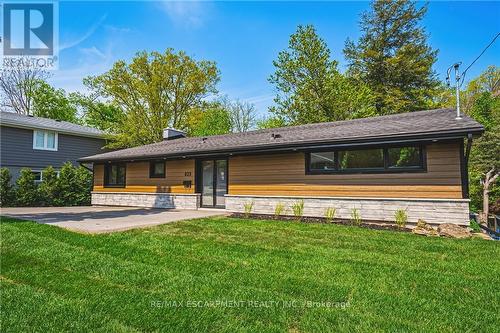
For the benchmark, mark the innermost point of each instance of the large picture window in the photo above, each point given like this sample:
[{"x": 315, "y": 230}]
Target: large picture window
[
  {"x": 114, "y": 175},
  {"x": 323, "y": 161},
  {"x": 367, "y": 160},
  {"x": 361, "y": 159}
]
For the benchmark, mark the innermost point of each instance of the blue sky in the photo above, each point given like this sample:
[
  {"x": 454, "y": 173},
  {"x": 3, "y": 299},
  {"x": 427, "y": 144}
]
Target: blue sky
[{"x": 243, "y": 38}]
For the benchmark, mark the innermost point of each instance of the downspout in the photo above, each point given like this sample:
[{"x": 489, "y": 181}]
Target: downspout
[
  {"x": 465, "y": 176},
  {"x": 86, "y": 167}
]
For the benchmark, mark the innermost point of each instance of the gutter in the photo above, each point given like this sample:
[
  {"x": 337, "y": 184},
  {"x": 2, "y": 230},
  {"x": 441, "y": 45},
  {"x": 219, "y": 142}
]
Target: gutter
[
  {"x": 86, "y": 167},
  {"x": 55, "y": 129},
  {"x": 430, "y": 137}
]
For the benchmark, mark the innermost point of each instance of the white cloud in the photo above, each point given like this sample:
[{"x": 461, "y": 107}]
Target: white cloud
[
  {"x": 187, "y": 14},
  {"x": 92, "y": 61},
  {"x": 265, "y": 98},
  {"x": 93, "y": 52},
  {"x": 87, "y": 34}
]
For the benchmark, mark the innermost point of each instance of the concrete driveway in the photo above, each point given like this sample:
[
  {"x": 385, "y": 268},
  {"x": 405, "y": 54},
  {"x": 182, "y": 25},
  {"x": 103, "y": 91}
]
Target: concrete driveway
[{"x": 97, "y": 219}]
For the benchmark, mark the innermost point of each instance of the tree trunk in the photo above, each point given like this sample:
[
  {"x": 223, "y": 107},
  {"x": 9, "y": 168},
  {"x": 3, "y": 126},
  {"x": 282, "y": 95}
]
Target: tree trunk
[
  {"x": 486, "y": 204},
  {"x": 489, "y": 179}
]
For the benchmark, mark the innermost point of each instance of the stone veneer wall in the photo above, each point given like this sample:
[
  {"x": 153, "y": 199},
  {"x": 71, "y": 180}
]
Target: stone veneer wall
[
  {"x": 152, "y": 200},
  {"x": 434, "y": 211}
]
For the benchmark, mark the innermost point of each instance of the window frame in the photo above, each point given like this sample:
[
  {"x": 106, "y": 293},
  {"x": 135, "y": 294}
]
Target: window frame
[
  {"x": 152, "y": 169},
  {"x": 35, "y": 171},
  {"x": 45, "y": 135},
  {"x": 40, "y": 171},
  {"x": 421, "y": 168},
  {"x": 107, "y": 167}
]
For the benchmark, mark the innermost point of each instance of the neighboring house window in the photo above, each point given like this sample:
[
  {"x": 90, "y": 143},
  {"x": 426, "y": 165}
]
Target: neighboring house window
[
  {"x": 39, "y": 175},
  {"x": 157, "y": 169},
  {"x": 44, "y": 140},
  {"x": 114, "y": 175},
  {"x": 372, "y": 160}
]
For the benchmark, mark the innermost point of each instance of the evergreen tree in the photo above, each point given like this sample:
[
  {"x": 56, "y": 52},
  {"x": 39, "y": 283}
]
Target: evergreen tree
[
  {"x": 26, "y": 193},
  {"x": 68, "y": 185},
  {"x": 84, "y": 183},
  {"x": 392, "y": 56},
  {"x": 49, "y": 189},
  {"x": 310, "y": 88},
  {"x": 6, "y": 190}
]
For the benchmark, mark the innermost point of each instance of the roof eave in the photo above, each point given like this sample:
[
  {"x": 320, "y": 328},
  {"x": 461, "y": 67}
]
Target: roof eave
[
  {"x": 455, "y": 134},
  {"x": 58, "y": 130}
]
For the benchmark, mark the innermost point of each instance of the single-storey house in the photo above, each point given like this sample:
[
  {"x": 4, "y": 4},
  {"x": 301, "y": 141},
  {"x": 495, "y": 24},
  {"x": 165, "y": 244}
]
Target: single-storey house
[
  {"x": 36, "y": 142},
  {"x": 413, "y": 161}
]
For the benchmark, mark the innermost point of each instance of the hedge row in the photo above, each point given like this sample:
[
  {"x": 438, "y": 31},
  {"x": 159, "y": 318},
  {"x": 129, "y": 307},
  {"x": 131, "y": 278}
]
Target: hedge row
[{"x": 71, "y": 188}]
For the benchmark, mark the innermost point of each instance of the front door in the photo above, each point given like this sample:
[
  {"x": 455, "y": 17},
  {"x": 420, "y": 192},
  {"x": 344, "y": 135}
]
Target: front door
[{"x": 213, "y": 174}]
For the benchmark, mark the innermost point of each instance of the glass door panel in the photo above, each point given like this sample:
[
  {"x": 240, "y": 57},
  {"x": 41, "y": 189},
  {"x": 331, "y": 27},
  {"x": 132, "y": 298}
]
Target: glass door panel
[
  {"x": 207, "y": 191},
  {"x": 221, "y": 182}
]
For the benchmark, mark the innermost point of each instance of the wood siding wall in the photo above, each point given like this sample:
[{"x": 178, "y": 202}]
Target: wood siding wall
[
  {"x": 137, "y": 178},
  {"x": 284, "y": 175}
]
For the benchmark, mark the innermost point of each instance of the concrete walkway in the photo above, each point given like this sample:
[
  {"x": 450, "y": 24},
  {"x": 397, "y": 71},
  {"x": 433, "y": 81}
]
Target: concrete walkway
[{"x": 97, "y": 219}]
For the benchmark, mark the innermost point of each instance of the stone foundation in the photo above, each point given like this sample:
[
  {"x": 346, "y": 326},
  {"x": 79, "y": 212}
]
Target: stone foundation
[
  {"x": 151, "y": 200},
  {"x": 435, "y": 211}
]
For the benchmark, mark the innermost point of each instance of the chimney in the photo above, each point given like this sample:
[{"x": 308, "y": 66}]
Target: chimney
[{"x": 171, "y": 133}]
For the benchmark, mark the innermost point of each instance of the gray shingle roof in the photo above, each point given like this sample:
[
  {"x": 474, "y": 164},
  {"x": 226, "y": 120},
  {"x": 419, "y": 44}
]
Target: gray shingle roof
[
  {"x": 17, "y": 120},
  {"x": 384, "y": 128}
]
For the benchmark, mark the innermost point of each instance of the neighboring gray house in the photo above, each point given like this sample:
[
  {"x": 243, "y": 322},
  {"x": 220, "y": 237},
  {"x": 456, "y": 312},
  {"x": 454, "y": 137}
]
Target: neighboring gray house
[{"x": 36, "y": 143}]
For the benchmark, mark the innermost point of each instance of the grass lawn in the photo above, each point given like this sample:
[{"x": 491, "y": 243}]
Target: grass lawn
[{"x": 171, "y": 278}]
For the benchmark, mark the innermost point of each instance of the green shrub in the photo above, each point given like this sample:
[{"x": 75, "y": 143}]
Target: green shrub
[
  {"x": 355, "y": 217},
  {"x": 68, "y": 185},
  {"x": 26, "y": 192},
  {"x": 298, "y": 209},
  {"x": 279, "y": 209},
  {"x": 401, "y": 218},
  {"x": 330, "y": 214},
  {"x": 49, "y": 189},
  {"x": 248, "y": 206},
  {"x": 6, "y": 189},
  {"x": 474, "y": 226},
  {"x": 84, "y": 183}
]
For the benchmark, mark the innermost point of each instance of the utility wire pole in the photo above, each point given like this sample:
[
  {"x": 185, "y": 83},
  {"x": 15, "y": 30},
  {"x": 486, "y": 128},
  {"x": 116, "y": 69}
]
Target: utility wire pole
[
  {"x": 459, "y": 79},
  {"x": 455, "y": 66}
]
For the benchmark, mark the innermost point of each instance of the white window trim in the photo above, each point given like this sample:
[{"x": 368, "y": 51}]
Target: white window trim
[
  {"x": 41, "y": 175},
  {"x": 56, "y": 140}
]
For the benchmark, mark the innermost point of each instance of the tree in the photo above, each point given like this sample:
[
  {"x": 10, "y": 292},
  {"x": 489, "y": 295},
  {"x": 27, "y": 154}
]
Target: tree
[
  {"x": 97, "y": 113},
  {"x": 210, "y": 119},
  {"x": 26, "y": 188},
  {"x": 155, "y": 91},
  {"x": 242, "y": 115},
  {"x": 392, "y": 56},
  {"x": 17, "y": 86},
  {"x": 49, "y": 189},
  {"x": 6, "y": 190},
  {"x": 48, "y": 102},
  {"x": 270, "y": 122},
  {"x": 481, "y": 101},
  {"x": 310, "y": 88},
  {"x": 68, "y": 185},
  {"x": 83, "y": 188}
]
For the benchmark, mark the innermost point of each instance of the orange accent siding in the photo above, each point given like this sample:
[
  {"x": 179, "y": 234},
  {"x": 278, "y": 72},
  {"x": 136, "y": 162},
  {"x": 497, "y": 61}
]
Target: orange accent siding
[
  {"x": 137, "y": 178},
  {"x": 284, "y": 174}
]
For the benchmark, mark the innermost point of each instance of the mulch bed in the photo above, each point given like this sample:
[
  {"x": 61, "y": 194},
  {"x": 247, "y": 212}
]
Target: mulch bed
[{"x": 369, "y": 224}]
